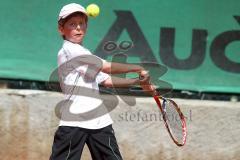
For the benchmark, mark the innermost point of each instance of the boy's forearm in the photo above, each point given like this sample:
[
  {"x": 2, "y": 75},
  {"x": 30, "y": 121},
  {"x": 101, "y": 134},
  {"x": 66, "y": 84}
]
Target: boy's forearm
[
  {"x": 123, "y": 82},
  {"x": 120, "y": 82},
  {"x": 116, "y": 68}
]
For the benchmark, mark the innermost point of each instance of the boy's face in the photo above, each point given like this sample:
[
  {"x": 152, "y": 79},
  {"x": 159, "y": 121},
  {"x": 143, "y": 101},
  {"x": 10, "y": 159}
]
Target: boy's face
[{"x": 74, "y": 28}]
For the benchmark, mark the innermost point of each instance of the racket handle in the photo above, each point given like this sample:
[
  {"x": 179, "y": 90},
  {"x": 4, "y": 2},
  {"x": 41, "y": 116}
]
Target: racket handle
[
  {"x": 140, "y": 77},
  {"x": 155, "y": 93}
]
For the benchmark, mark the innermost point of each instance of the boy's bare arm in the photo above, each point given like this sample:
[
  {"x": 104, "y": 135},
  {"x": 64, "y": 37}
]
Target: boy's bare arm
[
  {"x": 120, "y": 82},
  {"x": 124, "y": 82},
  {"x": 117, "y": 68}
]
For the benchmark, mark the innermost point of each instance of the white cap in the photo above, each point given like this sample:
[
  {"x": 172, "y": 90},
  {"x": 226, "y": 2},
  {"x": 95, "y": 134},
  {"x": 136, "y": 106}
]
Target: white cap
[{"x": 71, "y": 8}]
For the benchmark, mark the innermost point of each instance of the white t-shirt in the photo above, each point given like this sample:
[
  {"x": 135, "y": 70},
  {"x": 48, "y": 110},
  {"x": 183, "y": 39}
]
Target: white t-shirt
[{"x": 87, "y": 98}]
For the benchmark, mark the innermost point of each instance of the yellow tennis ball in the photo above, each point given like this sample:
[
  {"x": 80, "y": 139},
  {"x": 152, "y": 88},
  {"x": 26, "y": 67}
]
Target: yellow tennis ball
[{"x": 93, "y": 10}]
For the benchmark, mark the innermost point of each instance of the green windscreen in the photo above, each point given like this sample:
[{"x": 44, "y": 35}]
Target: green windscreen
[{"x": 197, "y": 41}]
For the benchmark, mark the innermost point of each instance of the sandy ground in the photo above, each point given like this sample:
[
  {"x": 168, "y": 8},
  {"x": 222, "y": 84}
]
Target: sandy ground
[{"x": 28, "y": 123}]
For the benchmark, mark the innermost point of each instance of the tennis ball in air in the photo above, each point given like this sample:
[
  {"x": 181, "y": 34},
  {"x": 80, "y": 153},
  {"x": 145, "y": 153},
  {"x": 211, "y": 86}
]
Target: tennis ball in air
[{"x": 93, "y": 10}]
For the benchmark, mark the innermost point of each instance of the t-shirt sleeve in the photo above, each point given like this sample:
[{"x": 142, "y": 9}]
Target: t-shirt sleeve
[
  {"x": 83, "y": 57},
  {"x": 101, "y": 77},
  {"x": 84, "y": 60}
]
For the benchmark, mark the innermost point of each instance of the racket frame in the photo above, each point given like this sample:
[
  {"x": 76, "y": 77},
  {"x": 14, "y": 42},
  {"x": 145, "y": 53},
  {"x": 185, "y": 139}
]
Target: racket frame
[{"x": 182, "y": 118}]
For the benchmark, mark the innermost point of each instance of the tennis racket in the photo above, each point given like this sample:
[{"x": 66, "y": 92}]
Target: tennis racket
[{"x": 174, "y": 119}]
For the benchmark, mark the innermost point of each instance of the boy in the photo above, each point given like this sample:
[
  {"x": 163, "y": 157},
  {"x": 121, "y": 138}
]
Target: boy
[{"x": 96, "y": 132}]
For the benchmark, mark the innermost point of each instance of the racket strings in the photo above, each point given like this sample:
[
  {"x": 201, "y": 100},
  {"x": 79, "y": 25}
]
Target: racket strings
[{"x": 174, "y": 120}]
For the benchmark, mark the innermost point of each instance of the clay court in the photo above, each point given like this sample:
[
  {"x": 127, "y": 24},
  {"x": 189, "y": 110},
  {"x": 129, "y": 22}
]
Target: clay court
[{"x": 28, "y": 123}]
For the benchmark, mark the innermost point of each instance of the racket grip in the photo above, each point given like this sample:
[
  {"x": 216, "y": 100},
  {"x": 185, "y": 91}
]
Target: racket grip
[
  {"x": 155, "y": 93},
  {"x": 140, "y": 77}
]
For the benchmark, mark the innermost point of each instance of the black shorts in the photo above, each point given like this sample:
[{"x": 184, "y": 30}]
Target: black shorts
[{"x": 69, "y": 142}]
